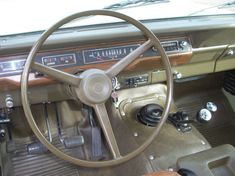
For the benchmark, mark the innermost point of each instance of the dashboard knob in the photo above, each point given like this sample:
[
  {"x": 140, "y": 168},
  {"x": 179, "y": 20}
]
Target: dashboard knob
[
  {"x": 2, "y": 132},
  {"x": 211, "y": 106},
  {"x": 9, "y": 102},
  {"x": 230, "y": 52},
  {"x": 204, "y": 115},
  {"x": 183, "y": 44}
]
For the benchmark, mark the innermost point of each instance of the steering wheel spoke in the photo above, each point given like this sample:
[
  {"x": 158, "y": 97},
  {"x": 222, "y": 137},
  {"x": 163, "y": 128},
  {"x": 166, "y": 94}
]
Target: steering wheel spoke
[
  {"x": 105, "y": 124},
  {"x": 123, "y": 63},
  {"x": 59, "y": 75}
]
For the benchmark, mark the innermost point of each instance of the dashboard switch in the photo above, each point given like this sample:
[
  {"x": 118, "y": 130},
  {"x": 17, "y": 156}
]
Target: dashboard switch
[
  {"x": 183, "y": 44},
  {"x": 9, "y": 101}
]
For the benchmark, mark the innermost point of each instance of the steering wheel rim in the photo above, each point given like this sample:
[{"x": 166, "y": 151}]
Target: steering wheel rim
[{"x": 26, "y": 106}]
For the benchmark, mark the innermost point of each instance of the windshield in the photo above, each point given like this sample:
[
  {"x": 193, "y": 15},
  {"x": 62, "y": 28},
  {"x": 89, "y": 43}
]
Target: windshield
[{"x": 21, "y": 16}]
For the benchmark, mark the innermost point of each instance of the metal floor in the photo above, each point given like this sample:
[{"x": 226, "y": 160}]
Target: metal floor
[
  {"x": 221, "y": 129},
  {"x": 40, "y": 165}
]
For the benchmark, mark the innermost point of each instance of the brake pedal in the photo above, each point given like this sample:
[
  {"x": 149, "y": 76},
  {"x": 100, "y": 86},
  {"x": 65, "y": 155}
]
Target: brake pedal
[
  {"x": 96, "y": 139},
  {"x": 73, "y": 141}
]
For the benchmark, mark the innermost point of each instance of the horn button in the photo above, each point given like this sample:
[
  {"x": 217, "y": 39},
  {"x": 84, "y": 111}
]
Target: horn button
[{"x": 95, "y": 87}]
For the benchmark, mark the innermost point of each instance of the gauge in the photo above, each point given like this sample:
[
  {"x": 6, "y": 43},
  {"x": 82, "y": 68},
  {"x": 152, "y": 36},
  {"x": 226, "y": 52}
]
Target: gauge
[
  {"x": 59, "y": 60},
  {"x": 11, "y": 66},
  {"x": 107, "y": 54}
]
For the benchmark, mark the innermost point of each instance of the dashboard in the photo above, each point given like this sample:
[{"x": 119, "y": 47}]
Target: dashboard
[
  {"x": 194, "y": 46},
  {"x": 102, "y": 57},
  {"x": 81, "y": 57}
]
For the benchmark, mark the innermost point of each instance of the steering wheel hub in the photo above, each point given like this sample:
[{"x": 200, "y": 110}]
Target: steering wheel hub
[{"x": 95, "y": 87}]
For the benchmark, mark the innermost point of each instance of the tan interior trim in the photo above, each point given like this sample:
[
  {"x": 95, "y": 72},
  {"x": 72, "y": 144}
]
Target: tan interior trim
[{"x": 209, "y": 49}]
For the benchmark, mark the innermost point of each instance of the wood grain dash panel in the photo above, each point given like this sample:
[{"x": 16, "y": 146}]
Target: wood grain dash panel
[{"x": 141, "y": 64}]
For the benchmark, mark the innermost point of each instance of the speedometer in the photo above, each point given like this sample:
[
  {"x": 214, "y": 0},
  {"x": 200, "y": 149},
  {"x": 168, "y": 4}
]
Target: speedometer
[{"x": 107, "y": 54}]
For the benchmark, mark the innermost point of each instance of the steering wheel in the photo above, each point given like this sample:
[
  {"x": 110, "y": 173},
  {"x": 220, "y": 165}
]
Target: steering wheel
[{"x": 93, "y": 87}]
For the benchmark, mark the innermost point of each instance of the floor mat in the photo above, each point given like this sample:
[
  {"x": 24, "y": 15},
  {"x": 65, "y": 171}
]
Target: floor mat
[{"x": 221, "y": 129}]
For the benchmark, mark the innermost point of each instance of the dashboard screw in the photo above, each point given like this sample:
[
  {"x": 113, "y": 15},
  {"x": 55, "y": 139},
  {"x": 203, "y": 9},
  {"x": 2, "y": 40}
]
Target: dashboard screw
[
  {"x": 135, "y": 134},
  {"x": 123, "y": 113},
  {"x": 203, "y": 142},
  {"x": 177, "y": 75},
  {"x": 151, "y": 157}
]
